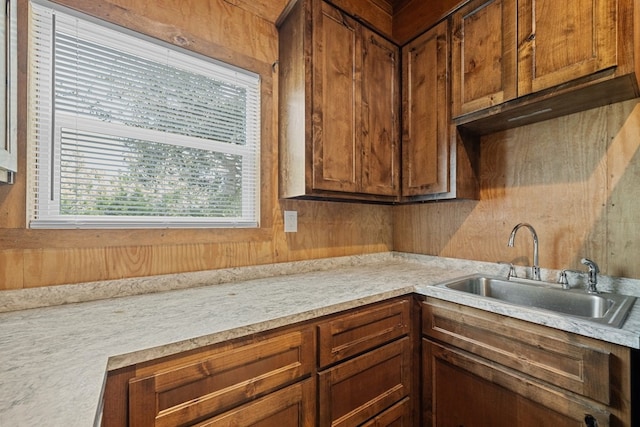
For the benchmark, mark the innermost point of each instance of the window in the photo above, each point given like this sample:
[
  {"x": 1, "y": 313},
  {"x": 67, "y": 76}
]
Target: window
[
  {"x": 130, "y": 132},
  {"x": 8, "y": 91}
]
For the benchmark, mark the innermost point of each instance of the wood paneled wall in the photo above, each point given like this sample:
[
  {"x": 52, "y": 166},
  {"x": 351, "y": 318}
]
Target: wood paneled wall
[
  {"x": 576, "y": 179},
  {"x": 238, "y": 31}
]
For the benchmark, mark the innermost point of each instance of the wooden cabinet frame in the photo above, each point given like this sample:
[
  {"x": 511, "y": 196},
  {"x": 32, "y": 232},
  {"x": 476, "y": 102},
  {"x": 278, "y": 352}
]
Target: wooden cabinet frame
[
  {"x": 516, "y": 62},
  {"x": 339, "y": 103},
  {"x": 374, "y": 367}
]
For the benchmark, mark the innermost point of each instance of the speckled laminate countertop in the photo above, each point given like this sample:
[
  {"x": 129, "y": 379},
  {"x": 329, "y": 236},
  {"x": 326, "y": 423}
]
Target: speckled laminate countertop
[{"x": 54, "y": 359}]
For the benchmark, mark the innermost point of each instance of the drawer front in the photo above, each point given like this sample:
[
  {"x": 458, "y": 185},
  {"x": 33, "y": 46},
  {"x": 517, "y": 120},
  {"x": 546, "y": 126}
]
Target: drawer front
[
  {"x": 292, "y": 406},
  {"x": 362, "y": 330},
  {"x": 357, "y": 390},
  {"x": 567, "y": 360},
  {"x": 399, "y": 415},
  {"x": 180, "y": 393}
]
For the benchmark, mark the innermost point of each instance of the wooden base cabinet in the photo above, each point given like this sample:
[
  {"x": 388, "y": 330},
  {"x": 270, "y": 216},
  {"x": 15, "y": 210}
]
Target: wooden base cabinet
[
  {"x": 368, "y": 366},
  {"x": 472, "y": 392},
  {"x": 365, "y": 367},
  {"x": 362, "y": 388},
  {"x": 349, "y": 369},
  {"x": 481, "y": 368}
]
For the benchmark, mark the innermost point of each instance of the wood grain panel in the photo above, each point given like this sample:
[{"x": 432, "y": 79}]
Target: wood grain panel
[
  {"x": 412, "y": 17},
  {"x": 574, "y": 178},
  {"x": 483, "y": 55},
  {"x": 559, "y": 42},
  {"x": 191, "y": 24},
  {"x": 577, "y": 364},
  {"x": 237, "y": 31},
  {"x": 11, "y": 269},
  {"x": 377, "y": 13},
  {"x": 425, "y": 113},
  {"x": 380, "y": 115},
  {"x": 623, "y": 188},
  {"x": 266, "y": 9},
  {"x": 337, "y": 75},
  {"x": 189, "y": 390}
]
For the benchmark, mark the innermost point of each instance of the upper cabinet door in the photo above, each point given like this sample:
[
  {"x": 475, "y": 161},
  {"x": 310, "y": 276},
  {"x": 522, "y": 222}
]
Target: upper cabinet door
[
  {"x": 425, "y": 136},
  {"x": 559, "y": 41},
  {"x": 380, "y": 115},
  {"x": 336, "y": 99},
  {"x": 484, "y": 61}
]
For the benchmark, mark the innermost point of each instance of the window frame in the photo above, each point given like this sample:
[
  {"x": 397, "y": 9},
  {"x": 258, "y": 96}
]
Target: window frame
[
  {"x": 9, "y": 76},
  {"x": 118, "y": 222}
]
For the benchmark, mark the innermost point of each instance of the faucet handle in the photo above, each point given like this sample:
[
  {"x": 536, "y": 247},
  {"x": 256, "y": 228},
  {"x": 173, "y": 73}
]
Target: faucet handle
[
  {"x": 563, "y": 278},
  {"x": 512, "y": 270}
]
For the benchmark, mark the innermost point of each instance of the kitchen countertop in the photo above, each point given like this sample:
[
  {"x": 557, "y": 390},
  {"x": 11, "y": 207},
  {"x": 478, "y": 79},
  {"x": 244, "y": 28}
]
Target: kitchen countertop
[{"x": 55, "y": 359}]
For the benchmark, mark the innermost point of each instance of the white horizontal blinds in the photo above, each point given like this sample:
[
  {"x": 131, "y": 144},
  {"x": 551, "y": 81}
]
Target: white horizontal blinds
[{"x": 144, "y": 135}]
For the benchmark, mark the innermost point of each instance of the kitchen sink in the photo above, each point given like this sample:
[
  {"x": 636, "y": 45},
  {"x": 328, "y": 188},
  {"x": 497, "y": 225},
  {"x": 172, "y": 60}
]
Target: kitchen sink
[{"x": 605, "y": 308}]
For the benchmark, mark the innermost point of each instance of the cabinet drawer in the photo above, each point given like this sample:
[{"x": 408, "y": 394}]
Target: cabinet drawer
[
  {"x": 356, "y": 390},
  {"x": 567, "y": 360},
  {"x": 292, "y": 406},
  {"x": 189, "y": 389},
  {"x": 399, "y": 415},
  {"x": 362, "y": 330}
]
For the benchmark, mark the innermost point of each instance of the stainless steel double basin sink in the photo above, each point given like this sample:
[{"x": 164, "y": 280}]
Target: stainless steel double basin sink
[{"x": 603, "y": 308}]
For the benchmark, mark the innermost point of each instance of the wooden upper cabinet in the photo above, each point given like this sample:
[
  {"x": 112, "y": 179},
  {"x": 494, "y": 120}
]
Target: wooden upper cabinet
[
  {"x": 339, "y": 104},
  {"x": 337, "y": 75},
  {"x": 503, "y": 49},
  {"x": 380, "y": 115},
  {"x": 516, "y": 62},
  {"x": 425, "y": 132},
  {"x": 437, "y": 162},
  {"x": 484, "y": 59},
  {"x": 561, "y": 41}
]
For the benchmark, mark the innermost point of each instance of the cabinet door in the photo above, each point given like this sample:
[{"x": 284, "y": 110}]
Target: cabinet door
[
  {"x": 380, "y": 115},
  {"x": 578, "y": 364},
  {"x": 560, "y": 41},
  {"x": 425, "y": 136},
  {"x": 337, "y": 67},
  {"x": 292, "y": 406},
  {"x": 359, "y": 389},
  {"x": 484, "y": 60},
  {"x": 461, "y": 389}
]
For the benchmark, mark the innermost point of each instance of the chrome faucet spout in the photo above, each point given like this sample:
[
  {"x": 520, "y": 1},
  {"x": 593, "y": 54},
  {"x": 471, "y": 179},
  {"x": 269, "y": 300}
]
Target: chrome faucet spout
[
  {"x": 593, "y": 270},
  {"x": 535, "y": 268}
]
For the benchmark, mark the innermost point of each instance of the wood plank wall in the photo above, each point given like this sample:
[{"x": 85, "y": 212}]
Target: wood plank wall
[
  {"x": 576, "y": 179},
  {"x": 239, "y": 31}
]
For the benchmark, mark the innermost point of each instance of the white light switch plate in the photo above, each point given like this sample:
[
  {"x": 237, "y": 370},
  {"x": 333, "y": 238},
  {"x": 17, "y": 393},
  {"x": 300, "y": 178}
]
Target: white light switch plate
[{"x": 290, "y": 221}]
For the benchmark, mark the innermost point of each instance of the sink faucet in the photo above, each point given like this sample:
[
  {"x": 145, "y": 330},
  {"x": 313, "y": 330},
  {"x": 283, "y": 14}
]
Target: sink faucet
[
  {"x": 535, "y": 268},
  {"x": 593, "y": 275}
]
